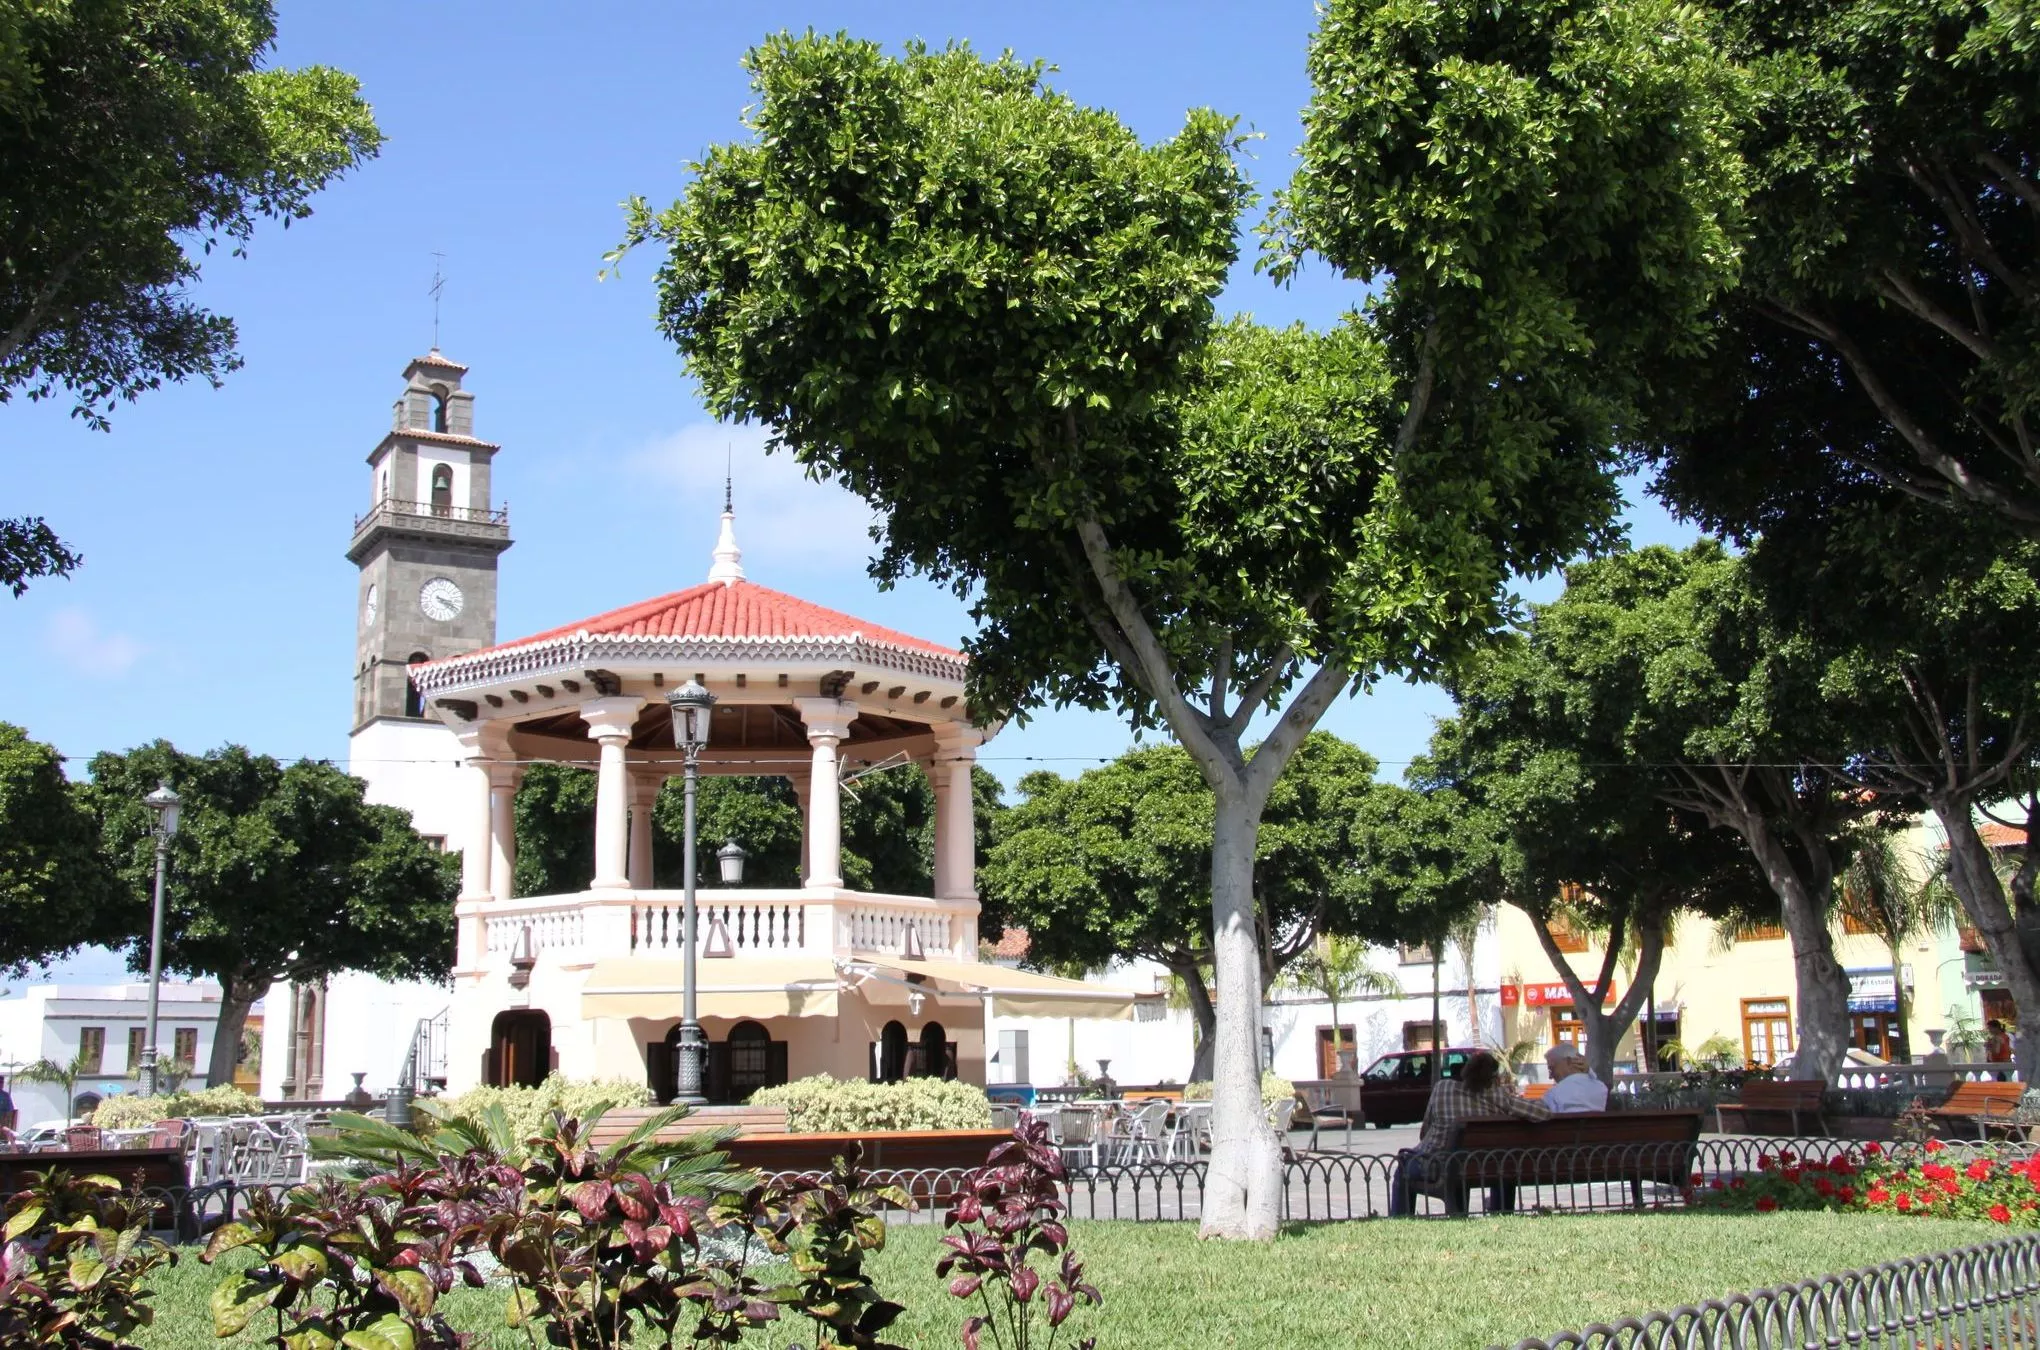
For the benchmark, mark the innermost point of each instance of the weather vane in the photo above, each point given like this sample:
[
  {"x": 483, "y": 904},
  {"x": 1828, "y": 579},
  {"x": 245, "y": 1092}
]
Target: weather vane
[
  {"x": 729, "y": 477},
  {"x": 438, "y": 285}
]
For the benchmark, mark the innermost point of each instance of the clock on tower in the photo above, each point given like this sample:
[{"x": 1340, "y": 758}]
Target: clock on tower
[{"x": 428, "y": 546}]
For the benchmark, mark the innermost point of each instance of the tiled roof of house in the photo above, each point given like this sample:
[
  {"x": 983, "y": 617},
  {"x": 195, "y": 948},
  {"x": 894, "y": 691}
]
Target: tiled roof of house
[
  {"x": 2002, "y": 836},
  {"x": 741, "y": 609}
]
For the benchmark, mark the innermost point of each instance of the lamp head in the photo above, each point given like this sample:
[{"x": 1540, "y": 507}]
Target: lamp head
[
  {"x": 690, "y": 705},
  {"x": 165, "y": 804},
  {"x": 730, "y": 857}
]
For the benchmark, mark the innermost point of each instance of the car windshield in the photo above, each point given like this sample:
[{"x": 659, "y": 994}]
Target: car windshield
[{"x": 1383, "y": 1068}]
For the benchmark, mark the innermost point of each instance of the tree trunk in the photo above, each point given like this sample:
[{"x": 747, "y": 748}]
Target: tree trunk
[
  {"x": 235, "y": 1000},
  {"x": 1823, "y": 986},
  {"x": 1202, "y": 1015},
  {"x": 1605, "y": 1029},
  {"x": 1902, "y": 1001},
  {"x": 1438, "y": 1036},
  {"x": 1243, "y": 1182},
  {"x": 1976, "y": 884}
]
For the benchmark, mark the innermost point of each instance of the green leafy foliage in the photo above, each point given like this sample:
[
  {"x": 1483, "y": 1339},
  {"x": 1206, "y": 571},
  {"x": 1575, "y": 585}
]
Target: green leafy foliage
[
  {"x": 55, "y": 893},
  {"x": 525, "y": 1109},
  {"x": 128, "y": 1110},
  {"x": 278, "y": 872},
  {"x": 822, "y": 1105},
  {"x": 74, "y": 1254}
]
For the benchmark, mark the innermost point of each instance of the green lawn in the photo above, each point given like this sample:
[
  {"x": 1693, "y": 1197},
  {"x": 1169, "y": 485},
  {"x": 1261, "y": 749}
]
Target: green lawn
[{"x": 1392, "y": 1283}]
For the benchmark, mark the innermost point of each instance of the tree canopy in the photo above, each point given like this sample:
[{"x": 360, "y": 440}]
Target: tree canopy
[
  {"x": 277, "y": 872},
  {"x": 55, "y": 892},
  {"x": 990, "y": 311},
  {"x": 136, "y": 136},
  {"x": 1884, "y": 335}
]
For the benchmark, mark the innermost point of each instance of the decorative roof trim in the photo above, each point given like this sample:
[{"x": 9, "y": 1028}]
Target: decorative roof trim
[
  {"x": 446, "y": 437},
  {"x": 433, "y": 358},
  {"x": 577, "y": 650}
]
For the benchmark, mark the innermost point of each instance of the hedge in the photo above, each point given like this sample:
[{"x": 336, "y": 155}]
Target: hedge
[{"x": 821, "y": 1105}]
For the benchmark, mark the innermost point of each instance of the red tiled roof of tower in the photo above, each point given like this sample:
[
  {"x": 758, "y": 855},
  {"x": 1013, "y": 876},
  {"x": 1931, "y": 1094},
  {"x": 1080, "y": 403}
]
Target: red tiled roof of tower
[
  {"x": 2002, "y": 836},
  {"x": 742, "y": 609},
  {"x": 435, "y": 359}
]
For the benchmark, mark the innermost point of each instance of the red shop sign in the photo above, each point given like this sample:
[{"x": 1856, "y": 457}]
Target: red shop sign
[{"x": 1544, "y": 995}]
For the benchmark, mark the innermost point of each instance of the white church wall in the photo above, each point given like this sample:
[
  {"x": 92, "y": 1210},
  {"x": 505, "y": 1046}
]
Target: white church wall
[{"x": 417, "y": 766}]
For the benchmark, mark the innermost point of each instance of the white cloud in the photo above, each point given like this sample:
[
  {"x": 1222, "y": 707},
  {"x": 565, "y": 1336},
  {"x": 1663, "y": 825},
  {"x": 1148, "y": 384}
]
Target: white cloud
[
  {"x": 785, "y": 520},
  {"x": 80, "y": 643}
]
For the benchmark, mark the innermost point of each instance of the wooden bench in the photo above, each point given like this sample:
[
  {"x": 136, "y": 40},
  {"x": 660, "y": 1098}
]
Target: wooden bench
[
  {"x": 1770, "y": 1106},
  {"x": 746, "y": 1121},
  {"x": 1983, "y": 1106},
  {"x": 1532, "y": 1091},
  {"x": 1505, "y": 1154}
]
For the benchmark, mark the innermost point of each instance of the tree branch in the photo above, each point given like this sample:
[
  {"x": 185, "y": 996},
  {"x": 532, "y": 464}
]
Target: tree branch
[
  {"x": 1296, "y": 722},
  {"x": 1900, "y": 290},
  {"x": 1420, "y": 391},
  {"x": 2012, "y": 178},
  {"x": 37, "y": 308},
  {"x": 1221, "y": 676}
]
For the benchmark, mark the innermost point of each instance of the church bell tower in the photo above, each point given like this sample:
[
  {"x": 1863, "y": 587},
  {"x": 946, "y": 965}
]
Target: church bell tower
[{"x": 427, "y": 547}]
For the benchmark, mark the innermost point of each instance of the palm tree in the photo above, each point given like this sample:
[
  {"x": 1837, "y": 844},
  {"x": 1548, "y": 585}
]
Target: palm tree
[
  {"x": 67, "y": 1075},
  {"x": 1337, "y": 970},
  {"x": 1879, "y": 892}
]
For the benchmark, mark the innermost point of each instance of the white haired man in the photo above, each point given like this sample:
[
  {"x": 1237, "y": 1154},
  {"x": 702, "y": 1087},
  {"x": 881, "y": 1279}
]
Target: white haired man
[{"x": 1573, "y": 1087}]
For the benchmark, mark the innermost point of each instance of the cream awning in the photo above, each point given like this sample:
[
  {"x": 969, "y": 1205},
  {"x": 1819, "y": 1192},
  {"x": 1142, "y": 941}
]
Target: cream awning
[
  {"x": 1015, "y": 993},
  {"x": 781, "y": 986}
]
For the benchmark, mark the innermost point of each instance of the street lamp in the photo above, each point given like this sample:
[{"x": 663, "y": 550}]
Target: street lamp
[
  {"x": 690, "y": 705},
  {"x": 165, "y": 804},
  {"x": 730, "y": 857}
]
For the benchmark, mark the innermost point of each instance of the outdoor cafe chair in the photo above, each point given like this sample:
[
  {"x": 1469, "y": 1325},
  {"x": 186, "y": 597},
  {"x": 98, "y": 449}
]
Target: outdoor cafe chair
[
  {"x": 1139, "y": 1134},
  {"x": 1077, "y": 1135},
  {"x": 1189, "y": 1132},
  {"x": 83, "y": 1138}
]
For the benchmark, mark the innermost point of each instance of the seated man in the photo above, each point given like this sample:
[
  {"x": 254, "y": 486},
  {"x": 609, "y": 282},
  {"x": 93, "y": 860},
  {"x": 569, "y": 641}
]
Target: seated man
[
  {"x": 1481, "y": 1089},
  {"x": 1573, "y": 1087}
]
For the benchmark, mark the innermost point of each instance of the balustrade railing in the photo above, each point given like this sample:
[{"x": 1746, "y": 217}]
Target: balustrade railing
[
  {"x": 761, "y": 923},
  {"x": 753, "y": 927},
  {"x": 459, "y": 515}
]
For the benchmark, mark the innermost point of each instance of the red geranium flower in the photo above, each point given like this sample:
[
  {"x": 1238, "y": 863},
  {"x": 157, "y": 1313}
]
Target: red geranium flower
[
  {"x": 2000, "y": 1214},
  {"x": 1765, "y": 1204},
  {"x": 1904, "y": 1202},
  {"x": 1978, "y": 1170},
  {"x": 1873, "y": 1149},
  {"x": 1935, "y": 1146},
  {"x": 1877, "y": 1195}
]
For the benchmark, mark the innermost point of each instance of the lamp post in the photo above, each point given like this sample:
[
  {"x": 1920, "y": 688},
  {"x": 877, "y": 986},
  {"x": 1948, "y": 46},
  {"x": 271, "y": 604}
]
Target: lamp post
[
  {"x": 690, "y": 705},
  {"x": 165, "y": 804}
]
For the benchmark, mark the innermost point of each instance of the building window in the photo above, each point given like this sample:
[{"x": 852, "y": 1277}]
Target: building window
[
  {"x": 414, "y": 699},
  {"x": 438, "y": 408},
  {"x": 1855, "y": 927},
  {"x": 186, "y": 1051},
  {"x": 134, "y": 1063},
  {"x": 435, "y": 842},
  {"x": 1332, "y": 1042},
  {"x": 1565, "y": 937},
  {"x": 1413, "y": 953},
  {"x": 442, "y": 489},
  {"x": 1421, "y": 1035},
  {"x": 1567, "y": 1028},
  {"x": 1766, "y": 1029},
  {"x": 91, "y": 1050}
]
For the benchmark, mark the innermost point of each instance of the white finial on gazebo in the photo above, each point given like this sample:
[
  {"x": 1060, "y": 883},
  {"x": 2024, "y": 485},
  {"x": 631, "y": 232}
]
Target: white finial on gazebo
[{"x": 729, "y": 559}]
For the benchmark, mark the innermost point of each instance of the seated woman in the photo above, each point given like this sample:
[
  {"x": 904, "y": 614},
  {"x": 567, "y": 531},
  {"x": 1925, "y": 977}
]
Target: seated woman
[{"x": 1481, "y": 1089}]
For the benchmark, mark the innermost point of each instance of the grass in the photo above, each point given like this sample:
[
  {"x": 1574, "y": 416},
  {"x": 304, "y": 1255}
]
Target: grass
[{"x": 1400, "y": 1284}]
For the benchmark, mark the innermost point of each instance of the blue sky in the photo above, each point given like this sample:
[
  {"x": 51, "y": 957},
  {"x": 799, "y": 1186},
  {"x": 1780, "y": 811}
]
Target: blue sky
[{"x": 215, "y": 604}]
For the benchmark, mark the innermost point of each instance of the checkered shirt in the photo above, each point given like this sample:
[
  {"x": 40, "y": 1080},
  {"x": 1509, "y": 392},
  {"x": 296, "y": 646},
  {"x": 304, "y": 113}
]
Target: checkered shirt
[{"x": 1451, "y": 1103}]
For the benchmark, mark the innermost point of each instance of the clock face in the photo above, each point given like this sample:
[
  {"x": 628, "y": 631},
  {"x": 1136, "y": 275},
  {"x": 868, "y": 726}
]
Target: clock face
[
  {"x": 440, "y": 599},
  {"x": 368, "y": 606}
]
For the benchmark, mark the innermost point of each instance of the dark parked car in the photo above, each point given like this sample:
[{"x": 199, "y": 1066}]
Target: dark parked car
[{"x": 1396, "y": 1088}]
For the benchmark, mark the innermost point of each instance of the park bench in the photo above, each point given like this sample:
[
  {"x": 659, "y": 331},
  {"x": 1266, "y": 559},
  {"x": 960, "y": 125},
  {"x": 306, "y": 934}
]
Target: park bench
[
  {"x": 1505, "y": 1154},
  {"x": 1769, "y": 1106},
  {"x": 744, "y": 1121},
  {"x": 1982, "y": 1106}
]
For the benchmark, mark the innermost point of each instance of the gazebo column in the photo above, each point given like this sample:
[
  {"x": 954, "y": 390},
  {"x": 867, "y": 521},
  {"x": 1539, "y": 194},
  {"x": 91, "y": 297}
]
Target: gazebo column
[
  {"x": 803, "y": 793},
  {"x": 609, "y": 725},
  {"x": 644, "y": 793},
  {"x": 828, "y": 725},
  {"x": 955, "y": 829},
  {"x": 503, "y": 782}
]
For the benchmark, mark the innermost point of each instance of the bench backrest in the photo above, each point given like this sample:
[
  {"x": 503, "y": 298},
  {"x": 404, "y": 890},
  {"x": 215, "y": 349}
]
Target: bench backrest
[
  {"x": 1984, "y": 1096},
  {"x": 1532, "y": 1091},
  {"x": 1575, "y": 1129},
  {"x": 745, "y": 1120},
  {"x": 1768, "y": 1094}
]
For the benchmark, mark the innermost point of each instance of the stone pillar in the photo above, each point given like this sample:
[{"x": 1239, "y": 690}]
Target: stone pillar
[
  {"x": 503, "y": 781},
  {"x": 937, "y": 770},
  {"x": 955, "y": 829},
  {"x": 828, "y": 724},
  {"x": 644, "y": 791},
  {"x": 476, "y": 845},
  {"x": 803, "y": 793},
  {"x": 609, "y": 722}
]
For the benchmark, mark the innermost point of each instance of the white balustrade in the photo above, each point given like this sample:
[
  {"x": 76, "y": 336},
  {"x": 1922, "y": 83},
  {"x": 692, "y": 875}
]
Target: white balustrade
[
  {"x": 754, "y": 927},
  {"x": 554, "y": 928},
  {"x": 883, "y": 928}
]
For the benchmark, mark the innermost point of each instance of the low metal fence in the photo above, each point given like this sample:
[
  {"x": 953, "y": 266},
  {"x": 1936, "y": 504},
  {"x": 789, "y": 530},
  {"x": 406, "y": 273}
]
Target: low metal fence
[{"x": 1972, "y": 1297}]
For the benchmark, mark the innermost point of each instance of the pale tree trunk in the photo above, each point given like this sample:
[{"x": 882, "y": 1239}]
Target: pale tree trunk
[
  {"x": 1976, "y": 884},
  {"x": 1823, "y": 986},
  {"x": 1242, "y": 1187},
  {"x": 235, "y": 1000},
  {"x": 1202, "y": 1016},
  {"x": 1605, "y": 1029}
]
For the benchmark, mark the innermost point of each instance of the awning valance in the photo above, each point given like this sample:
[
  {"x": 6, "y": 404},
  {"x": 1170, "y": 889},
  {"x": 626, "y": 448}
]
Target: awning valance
[
  {"x": 1015, "y": 993},
  {"x": 785, "y": 986}
]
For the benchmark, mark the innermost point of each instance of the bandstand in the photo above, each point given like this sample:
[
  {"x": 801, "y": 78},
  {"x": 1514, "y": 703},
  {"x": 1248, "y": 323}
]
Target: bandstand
[{"x": 791, "y": 982}]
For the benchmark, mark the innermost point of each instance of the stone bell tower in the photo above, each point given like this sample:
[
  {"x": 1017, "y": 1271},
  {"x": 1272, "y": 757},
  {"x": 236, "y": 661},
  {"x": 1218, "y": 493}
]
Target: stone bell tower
[{"x": 427, "y": 547}]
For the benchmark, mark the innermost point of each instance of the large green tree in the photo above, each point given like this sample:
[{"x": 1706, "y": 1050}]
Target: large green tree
[
  {"x": 277, "y": 872},
  {"x": 1670, "y": 664},
  {"x": 990, "y": 312},
  {"x": 136, "y": 136},
  {"x": 1884, "y": 338},
  {"x": 1115, "y": 864},
  {"x": 54, "y": 888}
]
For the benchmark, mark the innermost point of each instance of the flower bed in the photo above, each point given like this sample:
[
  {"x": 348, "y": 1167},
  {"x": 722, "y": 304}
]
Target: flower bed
[{"x": 1931, "y": 1181}]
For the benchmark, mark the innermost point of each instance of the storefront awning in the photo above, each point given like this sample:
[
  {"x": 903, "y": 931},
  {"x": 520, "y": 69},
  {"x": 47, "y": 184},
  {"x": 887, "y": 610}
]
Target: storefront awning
[
  {"x": 785, "y": 986},
  {"x": 1015, "y": 993}
]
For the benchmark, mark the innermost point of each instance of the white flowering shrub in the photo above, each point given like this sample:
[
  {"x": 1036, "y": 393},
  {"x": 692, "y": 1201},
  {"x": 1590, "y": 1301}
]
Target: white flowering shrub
[
  {"x": 822, "y": 1105},
  {"x": 527, "y": 1107}
]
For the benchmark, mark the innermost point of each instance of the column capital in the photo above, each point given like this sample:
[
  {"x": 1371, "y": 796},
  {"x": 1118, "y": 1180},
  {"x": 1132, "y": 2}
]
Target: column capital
[
  {"x": 645, "y": 782},
  {"x": 614, "y": 716},
  {"x": 505, "y": 774},
  {"x": 957, "y": 740},
  {"x": 483, "y": 740},
  {"x": 826, "y": 717}
]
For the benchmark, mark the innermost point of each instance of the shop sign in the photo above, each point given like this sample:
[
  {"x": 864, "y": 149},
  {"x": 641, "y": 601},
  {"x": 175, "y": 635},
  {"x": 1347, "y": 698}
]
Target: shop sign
[{"x": 1554, "y": 995}]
